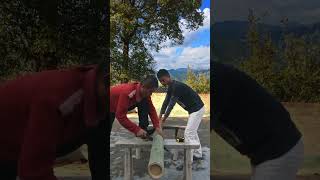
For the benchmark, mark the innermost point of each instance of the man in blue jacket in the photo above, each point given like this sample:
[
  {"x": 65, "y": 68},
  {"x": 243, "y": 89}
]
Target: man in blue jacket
[
  {"x": 253, "y": 122},
  {"x": 188, "y": 99}
]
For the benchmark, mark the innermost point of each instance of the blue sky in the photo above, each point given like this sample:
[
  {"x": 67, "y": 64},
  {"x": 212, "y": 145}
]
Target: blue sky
[
  {"x": 195, "y": 51},
  {"x": 205, "y": 4}
]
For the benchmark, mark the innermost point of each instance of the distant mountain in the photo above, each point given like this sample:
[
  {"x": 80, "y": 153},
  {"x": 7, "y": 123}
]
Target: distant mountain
[
  {"x": 229, "y": 37},
  {"x": 180, "y": 74}
]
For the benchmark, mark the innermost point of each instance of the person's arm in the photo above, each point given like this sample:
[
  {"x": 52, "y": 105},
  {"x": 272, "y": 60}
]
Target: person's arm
[
  {"x": 39, "y": 142},
  {"x": 121, "y": 114},
  {"x": 172, "y": 103},
  {"x": 165, "y": 102}
]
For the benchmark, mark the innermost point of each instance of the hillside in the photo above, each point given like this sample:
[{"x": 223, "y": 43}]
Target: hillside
[
  {"x": 229, "y": 42},
  {"x": 181, "y": 73}
]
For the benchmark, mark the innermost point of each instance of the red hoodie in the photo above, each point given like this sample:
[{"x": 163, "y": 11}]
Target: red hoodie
[
  {"x": 124, "y": 96},
  {"x": 40, "y": 112}
]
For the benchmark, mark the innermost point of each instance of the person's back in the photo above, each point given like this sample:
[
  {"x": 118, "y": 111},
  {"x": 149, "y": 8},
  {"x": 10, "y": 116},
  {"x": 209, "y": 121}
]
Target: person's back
[
  {"x": 187, "y": 97},
  {"x": 248, "y": 117},
  {"x": 19, "y": 92},
  {"x": 44, "y": 115},
  {"x": 116, "y": 91},
  {"x": 17, "y": 96},
  {"x": 124, "y": 97}
]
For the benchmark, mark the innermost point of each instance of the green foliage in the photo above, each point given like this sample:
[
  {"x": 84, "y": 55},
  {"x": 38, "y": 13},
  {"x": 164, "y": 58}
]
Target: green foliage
[
  {"x": 137, "y": 27},
  {"x": 301, "y": 75},
  {"x": 203, "y": 84},
  {"x": 191, "y": 78},
  {"x": 33, "y": 39},
  {"x": 200, "y": 83},
  {"x": 261, "y": 63},
  {"x": 290, "y": 72}
]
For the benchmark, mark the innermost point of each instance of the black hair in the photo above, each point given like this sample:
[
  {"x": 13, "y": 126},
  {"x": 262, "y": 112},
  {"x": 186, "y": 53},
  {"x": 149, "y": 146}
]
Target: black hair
[
  {"x": 150, "y": 81},
  {"x": 162, "y": 72}
]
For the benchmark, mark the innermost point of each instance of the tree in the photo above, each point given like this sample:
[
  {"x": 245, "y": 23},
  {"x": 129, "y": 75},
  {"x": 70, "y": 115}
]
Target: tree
[
  {"x": 253, "y": 37},
  {"x": 290, "y": 72},
  {"x": 203, "y": 85},
  {"x": 200, "y": 83},
  {"x": 48, "y": 34},
  {"x": 139, "y": 26},
  {"x": 191, "y": 79},
  {"x": 301, "y": 75},
  {"x": 261, "y": 61}
]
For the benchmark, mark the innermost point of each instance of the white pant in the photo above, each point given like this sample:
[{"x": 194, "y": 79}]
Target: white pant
[
  {"x": 191, "y": 134},
  {"x": 282, "y": 168}
]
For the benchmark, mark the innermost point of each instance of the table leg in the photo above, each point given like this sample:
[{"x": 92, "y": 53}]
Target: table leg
[
  {"x": 138, "y": 153},
  {"x": 176, "y": 133},
  {"x": 131, "y": 165},
  {"x": 187, "y": 164},
  {"x": 175, "y": 154},
  {"x": 128, "y": 175},
  {"x": 184, "y": 164}
]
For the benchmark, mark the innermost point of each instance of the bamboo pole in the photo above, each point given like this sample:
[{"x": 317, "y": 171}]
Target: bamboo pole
[{"x": 156, "y": 166}]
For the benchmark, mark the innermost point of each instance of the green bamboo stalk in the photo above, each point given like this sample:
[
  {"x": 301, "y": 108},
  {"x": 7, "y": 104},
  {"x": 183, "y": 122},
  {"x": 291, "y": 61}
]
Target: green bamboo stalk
[{"x": 156, "y": 166}]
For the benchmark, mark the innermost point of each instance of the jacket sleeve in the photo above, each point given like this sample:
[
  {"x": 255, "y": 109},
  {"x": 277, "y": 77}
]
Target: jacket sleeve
[
  {"x": 174, "y": 88},
  {"x": 172, "y": 103},
  {"x": 39, "y": 144},
  {"x": 165, "y": 102},
  {"x": 153, "y": 114},
  {"x": 121, "y": 114}
]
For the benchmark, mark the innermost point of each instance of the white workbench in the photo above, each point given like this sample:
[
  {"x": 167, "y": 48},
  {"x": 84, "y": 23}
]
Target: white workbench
[{"x": 132, "y": 143}]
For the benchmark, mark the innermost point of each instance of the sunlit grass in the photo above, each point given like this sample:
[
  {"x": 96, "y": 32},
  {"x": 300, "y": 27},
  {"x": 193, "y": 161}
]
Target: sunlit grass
[
  {"x": 226, "y": 160},
  {"x": 178, "y": 111}
]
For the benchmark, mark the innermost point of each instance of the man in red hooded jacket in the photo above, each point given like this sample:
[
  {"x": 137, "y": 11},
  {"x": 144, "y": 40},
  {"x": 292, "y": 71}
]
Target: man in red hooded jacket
[
  {"x": 49, "y": 114},
  {"x": 124, "y": 97}
]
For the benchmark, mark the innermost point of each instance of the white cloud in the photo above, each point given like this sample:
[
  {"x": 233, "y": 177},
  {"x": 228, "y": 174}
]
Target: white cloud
[
  {"x": 166, "y": 58},
  {"x": 196, "y": 57},
  {"x": 190, "y": 35}
]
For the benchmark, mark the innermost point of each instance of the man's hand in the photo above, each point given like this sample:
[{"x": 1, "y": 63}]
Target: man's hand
[
  {"x": 163, "y": 120},
  {"x": 159, "y": 131},
  {"x": 160, "y": 116},
  {"x": 141, "y": 133}
]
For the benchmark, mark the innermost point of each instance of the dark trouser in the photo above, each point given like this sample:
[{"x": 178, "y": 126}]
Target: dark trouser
[
  {"x": 98, "y": 148},
  {"x": 143, "y": 112},
  {"x": 8, "y": 170}
]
